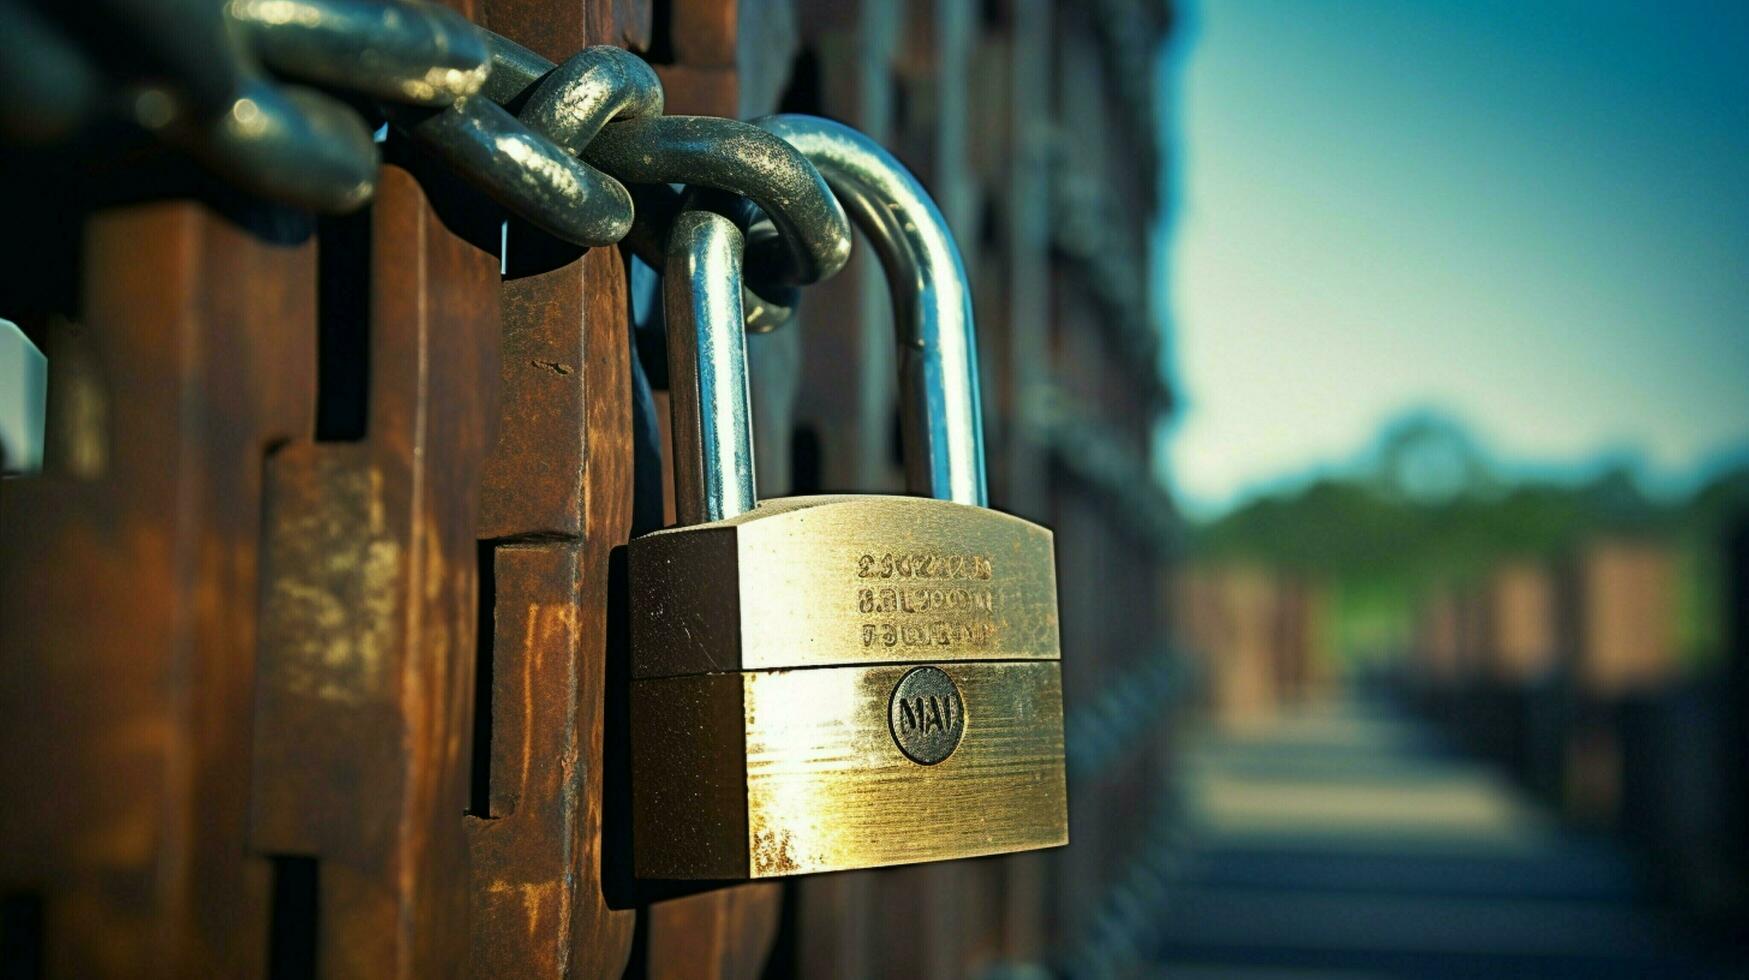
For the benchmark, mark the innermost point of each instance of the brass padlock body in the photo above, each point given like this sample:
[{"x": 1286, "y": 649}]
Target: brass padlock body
[{"x": 766, "y": 653}]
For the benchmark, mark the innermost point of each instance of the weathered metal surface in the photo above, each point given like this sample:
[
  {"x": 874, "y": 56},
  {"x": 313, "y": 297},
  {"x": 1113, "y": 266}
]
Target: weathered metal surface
[
  {"x": 561, "y": 347},
  {"x": 563, "y": 465},
  {"x": 536, "y": 882},
  {"x": 367, "y": 639},
  {"x": 130, "y": 577},
  {"x": 556, "y": 498}
]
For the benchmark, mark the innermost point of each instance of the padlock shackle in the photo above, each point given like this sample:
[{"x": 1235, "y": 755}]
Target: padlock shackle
[
  {"x": 709, "y": 404},
  {"x": 932, "y": 303}
]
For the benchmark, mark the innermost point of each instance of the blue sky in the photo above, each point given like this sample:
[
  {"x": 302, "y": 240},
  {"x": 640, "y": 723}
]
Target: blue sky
[{"x": 1531, "y": 216}]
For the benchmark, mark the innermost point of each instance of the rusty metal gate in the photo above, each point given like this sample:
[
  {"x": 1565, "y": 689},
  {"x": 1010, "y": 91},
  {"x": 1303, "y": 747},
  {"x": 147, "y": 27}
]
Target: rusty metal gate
[{"x": 307, "y": 623}]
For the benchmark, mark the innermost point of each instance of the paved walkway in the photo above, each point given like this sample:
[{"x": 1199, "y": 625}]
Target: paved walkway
[{"x": 1348, "y": 840}]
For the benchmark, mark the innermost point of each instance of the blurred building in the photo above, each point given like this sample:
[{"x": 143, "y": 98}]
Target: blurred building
[{"x": 1573, "y": 678}]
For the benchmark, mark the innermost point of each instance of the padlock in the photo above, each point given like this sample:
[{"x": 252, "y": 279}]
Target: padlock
[{"x": 845, "y": 681}]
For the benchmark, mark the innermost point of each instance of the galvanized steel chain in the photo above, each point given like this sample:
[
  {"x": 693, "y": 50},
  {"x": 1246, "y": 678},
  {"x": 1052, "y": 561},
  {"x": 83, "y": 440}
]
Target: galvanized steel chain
[{"x": 279, "y": 96}]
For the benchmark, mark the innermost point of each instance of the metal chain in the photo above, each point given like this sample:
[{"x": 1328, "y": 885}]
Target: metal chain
[
  {"x": 555, "y": 145},
  {"x": 194, "y": 73},
  {"x": 528, "y": 162}
]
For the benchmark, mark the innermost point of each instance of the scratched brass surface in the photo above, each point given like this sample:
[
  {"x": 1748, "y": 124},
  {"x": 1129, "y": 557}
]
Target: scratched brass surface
[
  {"x": 769, "y": 773},
  {"x": 816, "y": 581}
]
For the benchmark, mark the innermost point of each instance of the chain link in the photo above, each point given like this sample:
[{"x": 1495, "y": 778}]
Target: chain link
[
  {"x": 813, "y": 233},
  {"x": 527, "y": 162}
]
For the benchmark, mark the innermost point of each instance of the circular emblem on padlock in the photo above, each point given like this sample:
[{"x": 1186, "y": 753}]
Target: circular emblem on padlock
[{"x": 926, "y": 715}]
